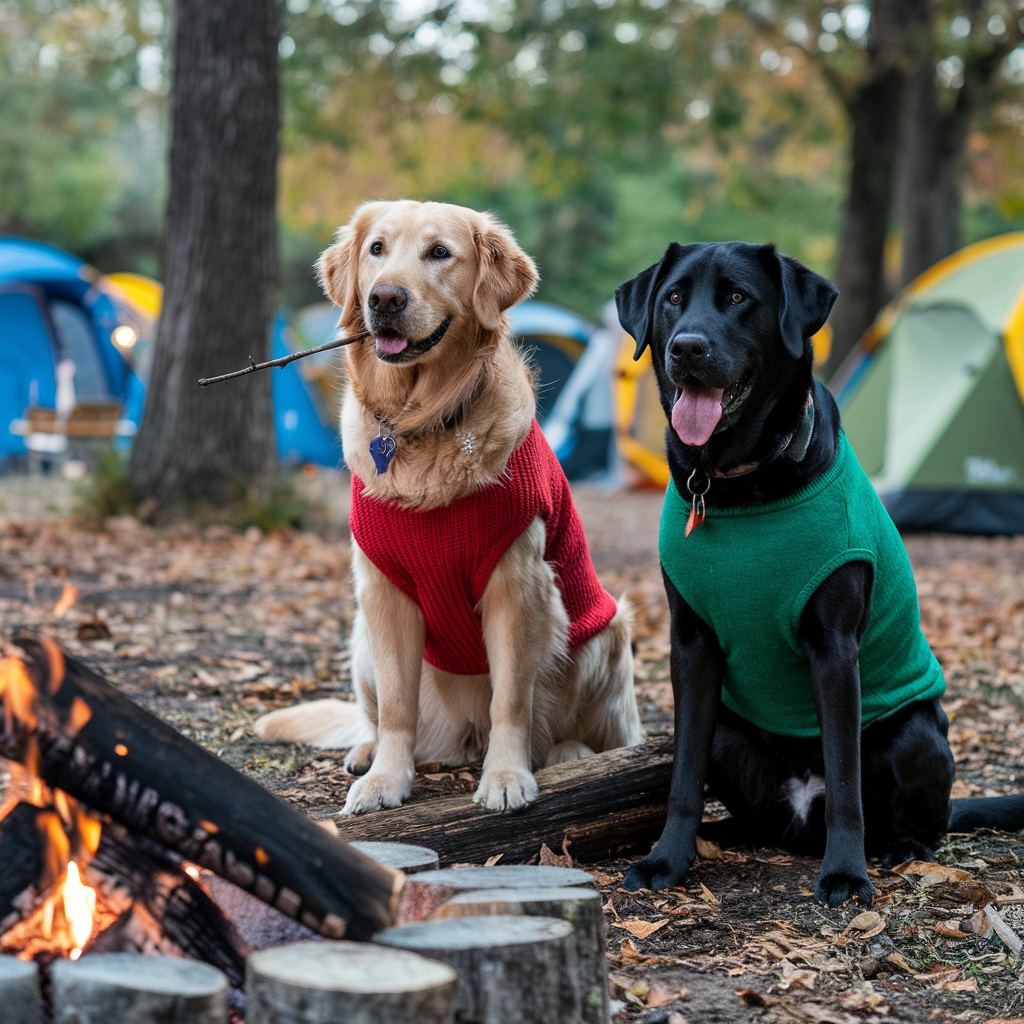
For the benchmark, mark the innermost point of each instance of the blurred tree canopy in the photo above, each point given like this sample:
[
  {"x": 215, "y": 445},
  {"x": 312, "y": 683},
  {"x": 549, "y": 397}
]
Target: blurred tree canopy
[{"x": 599, "y": 129}]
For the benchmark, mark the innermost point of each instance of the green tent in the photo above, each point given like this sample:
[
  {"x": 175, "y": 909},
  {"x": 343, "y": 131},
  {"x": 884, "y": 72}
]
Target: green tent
[{"x": 932, "y": 399}]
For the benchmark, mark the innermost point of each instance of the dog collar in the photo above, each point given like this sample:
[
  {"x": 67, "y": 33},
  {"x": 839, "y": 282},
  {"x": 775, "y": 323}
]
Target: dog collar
[
  {"x": 385, "y": 444},
  {"x": 792, "y": 446}
]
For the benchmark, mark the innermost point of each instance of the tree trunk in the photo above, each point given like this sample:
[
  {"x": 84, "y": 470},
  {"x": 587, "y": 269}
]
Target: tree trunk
[
  {"x": 873, "y": 106},
  {"x": 220, "y": 266},
  {"x": 932, "y": 145},
  {"x": 933, "y": 140}
]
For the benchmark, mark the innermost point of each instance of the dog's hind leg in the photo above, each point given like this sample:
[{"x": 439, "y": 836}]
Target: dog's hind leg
[
  {"x": 609, "y": 717},
  {"x": 908, "y": 775}
]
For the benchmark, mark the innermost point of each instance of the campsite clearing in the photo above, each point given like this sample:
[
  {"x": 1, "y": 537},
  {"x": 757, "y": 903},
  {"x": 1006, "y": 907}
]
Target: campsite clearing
[{"x": 210, "y": 627}]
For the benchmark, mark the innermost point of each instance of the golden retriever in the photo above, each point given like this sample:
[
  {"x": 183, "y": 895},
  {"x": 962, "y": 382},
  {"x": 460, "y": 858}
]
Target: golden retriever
[{"x": 457, "y": 404}]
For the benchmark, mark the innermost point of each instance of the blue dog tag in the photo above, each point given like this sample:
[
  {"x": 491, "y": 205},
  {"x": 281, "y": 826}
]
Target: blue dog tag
[{"x": 383, "y": 451}]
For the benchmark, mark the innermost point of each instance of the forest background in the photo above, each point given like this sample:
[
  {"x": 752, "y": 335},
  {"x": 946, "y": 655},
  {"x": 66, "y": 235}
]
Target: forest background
[{"x": 600, "y": 130}]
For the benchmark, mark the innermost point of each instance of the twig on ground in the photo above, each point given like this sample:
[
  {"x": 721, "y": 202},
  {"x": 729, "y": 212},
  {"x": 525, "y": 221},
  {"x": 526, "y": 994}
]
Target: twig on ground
[
  {"x": 285, "y": 360},
  {"x": 1003, "y": 930}
]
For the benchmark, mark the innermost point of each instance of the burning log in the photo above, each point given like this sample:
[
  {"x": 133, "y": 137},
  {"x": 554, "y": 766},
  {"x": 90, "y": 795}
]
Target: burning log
[
  {"x": 19, "y": 991},
  {"x": 136, "y": 989},
  {"x": 600, "y": 805},
  {"x": 92, "y": 742}
]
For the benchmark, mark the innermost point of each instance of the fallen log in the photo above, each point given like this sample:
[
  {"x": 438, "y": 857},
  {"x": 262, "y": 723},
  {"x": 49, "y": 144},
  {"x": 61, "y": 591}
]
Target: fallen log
[
  {"x": 88, "y": 739},
  {"x": 600, "y": 805}
]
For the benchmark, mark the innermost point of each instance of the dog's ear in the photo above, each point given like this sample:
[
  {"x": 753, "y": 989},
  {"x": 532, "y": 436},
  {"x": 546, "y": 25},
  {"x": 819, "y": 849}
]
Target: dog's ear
[
  {"x": 805, "y": 298},
  {"x": 505, "y": 275},
  {"x": 634, "y": 300},
  {"x": 338, "y": 266}
]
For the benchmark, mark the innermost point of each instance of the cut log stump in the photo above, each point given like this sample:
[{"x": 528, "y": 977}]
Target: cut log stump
[
  {"x": 512, "y": 970},
  {"x": 347, "y": 983},
  {"x": 399, "y": 856},
  {"x": 131, "y": 989},
  {"x": 19, "y": 991},
  {"x": 579, "y": 907},
  {"x": 424, "y": 893}
]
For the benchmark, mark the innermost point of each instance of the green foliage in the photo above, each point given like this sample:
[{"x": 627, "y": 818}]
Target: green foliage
[
  {"x": 106, "y": 491},
  {"x": 270, "y": 508}
]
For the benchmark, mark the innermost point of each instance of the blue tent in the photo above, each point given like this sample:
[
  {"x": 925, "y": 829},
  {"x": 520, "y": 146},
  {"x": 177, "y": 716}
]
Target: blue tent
[
  {"x": 54, "y": 306},
  {"x": 305, "y": 432},
  {"x": 51, "y": 308}
]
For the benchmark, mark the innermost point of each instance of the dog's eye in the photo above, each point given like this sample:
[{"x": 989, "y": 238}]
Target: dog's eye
[
  {"x": 439, "y": 252},
  {"x": 377, "y": 248},
  {"x": 736, "y": 298},
  {"x": 675, "y": 298}
]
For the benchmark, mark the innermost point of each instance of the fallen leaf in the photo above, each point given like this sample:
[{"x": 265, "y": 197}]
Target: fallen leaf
[
  {"x": 950, "y": 930},
  {"x": 438, "y": 776},
  {"x": 897, "y": 960},
  {"x": 550, "y": 859},
  {"x": 641, "y": 929},
  {"x": 68, "y": 596},
  {"x": 793, "y": 975},
  {"x": 708, "y": 850},
  {"x": 751, "y": 997},
  {"x": 869, "y": 923},
  {"x": 980, "y": 924},
  {"x": 931, "y": 874},
  {"x": 863, "y": 997},
  {"x": 93, "y": 629},
  {"x": 662, "y": 997},
  {"x": 965, "y": 985},
  {"x": 709, "y": 896}
]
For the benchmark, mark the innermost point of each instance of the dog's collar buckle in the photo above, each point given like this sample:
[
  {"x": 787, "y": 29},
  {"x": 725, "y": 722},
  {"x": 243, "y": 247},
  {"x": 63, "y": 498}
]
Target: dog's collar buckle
[{"x": 697, "y": 508}]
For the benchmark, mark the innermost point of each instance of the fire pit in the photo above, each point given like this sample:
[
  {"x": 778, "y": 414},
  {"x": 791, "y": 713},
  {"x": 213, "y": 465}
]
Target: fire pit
[{"x": 120, "y": 837}]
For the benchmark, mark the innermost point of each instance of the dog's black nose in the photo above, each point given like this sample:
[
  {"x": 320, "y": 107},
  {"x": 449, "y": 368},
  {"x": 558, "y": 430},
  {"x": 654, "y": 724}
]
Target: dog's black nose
[
  {"x": 388, "y": 298},
  {"x": 692, "y": 346}
]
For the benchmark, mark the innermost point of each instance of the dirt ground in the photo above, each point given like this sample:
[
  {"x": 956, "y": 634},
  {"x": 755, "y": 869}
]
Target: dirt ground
[{"x": 209, "y": 628}]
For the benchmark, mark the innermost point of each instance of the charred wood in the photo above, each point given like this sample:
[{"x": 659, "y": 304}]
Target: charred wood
[{"x": 103, "y": 749}]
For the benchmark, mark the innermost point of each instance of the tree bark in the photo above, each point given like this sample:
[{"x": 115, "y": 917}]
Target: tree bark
[
  {"x": 220, "y": 265},
  {"x": 873, "y": 105},
  {"x": 933, "y": 142}
]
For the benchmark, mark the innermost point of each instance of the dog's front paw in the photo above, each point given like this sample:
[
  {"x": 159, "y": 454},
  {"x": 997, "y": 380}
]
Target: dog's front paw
[
  {"x": 506, "y": 789},
  {"x": 359, "y": 759},
  {"x": 838, "y": 887},
  {"x": 375, "y": 791},
  {"x": 655, "y": 872}
]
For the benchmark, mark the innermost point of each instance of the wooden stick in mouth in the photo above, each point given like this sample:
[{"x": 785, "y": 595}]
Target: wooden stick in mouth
[{"x": 285, "y": 360}]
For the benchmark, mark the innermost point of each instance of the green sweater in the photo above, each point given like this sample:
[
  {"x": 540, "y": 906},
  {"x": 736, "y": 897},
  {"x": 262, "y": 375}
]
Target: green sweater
[{"x": 749, "y": 572}]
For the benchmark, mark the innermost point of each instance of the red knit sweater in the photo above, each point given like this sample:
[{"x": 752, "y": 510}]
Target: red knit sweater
[{"x": 443, "y": 557}]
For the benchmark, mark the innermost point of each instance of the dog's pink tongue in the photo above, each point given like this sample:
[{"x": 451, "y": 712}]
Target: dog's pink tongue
[
  {"x": 392, "y": 346},
  {"x": 696, "y": 413}
]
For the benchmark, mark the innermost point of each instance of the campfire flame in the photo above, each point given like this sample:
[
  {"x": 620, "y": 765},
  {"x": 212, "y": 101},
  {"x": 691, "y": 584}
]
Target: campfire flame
[
  {"x": 65, "y": 920},
  {"x": 79, "y": 908}
]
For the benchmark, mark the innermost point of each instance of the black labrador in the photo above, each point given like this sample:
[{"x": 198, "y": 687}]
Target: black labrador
[{"x": 729, "y": 327}]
